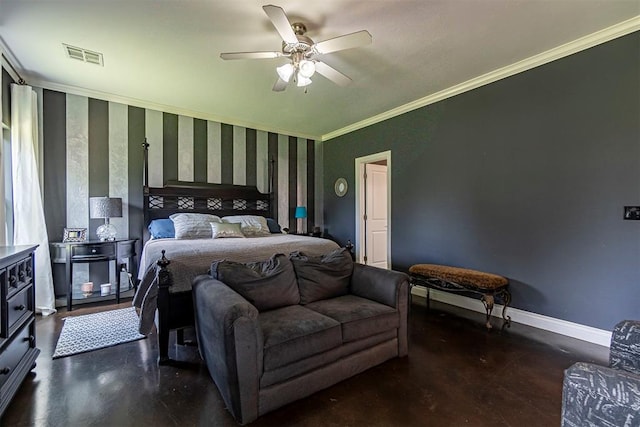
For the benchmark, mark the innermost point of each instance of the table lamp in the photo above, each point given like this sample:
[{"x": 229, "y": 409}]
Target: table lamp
[
  {"x": 105, "y": 207},
  {"x": 301, "y": 212}
]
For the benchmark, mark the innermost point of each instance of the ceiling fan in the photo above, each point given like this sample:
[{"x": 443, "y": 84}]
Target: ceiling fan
[{"x": 302, "y": 52}]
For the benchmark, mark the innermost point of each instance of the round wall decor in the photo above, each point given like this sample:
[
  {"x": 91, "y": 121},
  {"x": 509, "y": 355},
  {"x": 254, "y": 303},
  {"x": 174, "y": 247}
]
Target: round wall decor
[{"x": 341, "y": 187}]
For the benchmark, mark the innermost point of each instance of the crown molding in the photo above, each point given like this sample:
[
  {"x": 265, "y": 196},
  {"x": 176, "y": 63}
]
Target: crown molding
[
  {"x": 9, "y": 61},
  {"x": 106, "y": 96},
  {"x": 618, "y": 30}
]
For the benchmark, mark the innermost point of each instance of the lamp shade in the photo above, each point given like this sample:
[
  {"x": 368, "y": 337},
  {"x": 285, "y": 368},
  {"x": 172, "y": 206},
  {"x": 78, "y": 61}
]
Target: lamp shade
[
  {"x": 285, "y": 72},
  {"x": 105, "y": 207},
  {"x": 301, "y": 212}
]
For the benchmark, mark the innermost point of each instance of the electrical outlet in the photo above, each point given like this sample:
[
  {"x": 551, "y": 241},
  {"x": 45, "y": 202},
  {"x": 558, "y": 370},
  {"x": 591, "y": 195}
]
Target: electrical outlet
[{"x": 632, "y": 212}]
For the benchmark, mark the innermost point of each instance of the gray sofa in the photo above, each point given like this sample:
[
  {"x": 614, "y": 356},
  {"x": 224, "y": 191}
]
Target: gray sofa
[
  {"x": 262, "y": 357},
  {"x": 602, "y": 396}
]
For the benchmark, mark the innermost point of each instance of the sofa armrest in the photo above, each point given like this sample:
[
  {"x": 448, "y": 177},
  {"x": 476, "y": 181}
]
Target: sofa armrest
[
  {"x": 597, "y": 395},
  {"x": 378, "y": 284},
  {"x": 230, "y": 341},
  {"x": 625, "y": 346},
  {"x": 386, "y": 287}
]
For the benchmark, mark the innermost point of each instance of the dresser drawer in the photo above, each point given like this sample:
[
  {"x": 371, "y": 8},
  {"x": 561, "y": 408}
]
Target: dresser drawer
[
  {"x": 14, "y": 352},
  {"x": 19, "y": 275},
  {"x": 19, "y": 307},
  {"x": 93, "y": 251}
]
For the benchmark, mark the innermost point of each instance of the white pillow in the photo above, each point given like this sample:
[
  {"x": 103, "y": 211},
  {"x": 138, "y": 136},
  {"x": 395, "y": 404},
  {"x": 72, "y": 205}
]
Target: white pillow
[
  {"x": 251, "y": 225},
  {"x": 221, "y": 230},
  {"x": 193, "y": 225}
]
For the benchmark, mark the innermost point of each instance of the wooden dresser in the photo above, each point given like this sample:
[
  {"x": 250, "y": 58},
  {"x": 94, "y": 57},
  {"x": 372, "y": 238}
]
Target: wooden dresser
[{"x": 18, "y": 350}]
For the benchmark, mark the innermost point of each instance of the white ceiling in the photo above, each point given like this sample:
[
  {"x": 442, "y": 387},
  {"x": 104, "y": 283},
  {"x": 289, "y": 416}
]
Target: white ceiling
[{"x": 164, "y": 54}]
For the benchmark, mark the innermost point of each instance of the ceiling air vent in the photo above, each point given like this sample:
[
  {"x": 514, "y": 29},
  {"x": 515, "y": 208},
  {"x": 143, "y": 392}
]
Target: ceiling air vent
[{"x": 83, "y": 55}]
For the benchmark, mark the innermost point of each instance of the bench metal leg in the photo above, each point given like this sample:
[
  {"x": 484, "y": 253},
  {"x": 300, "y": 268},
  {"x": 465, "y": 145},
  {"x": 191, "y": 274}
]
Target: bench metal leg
[{"x": 487, "y": 300}]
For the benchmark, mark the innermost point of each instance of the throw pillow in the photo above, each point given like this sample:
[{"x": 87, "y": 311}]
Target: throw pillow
[
  {"x": 193, "y": 225},
  {"x": 322, "y": 277},
  {"x": 266, "y": 284},
  {"x": 162, "y": 229},
  {"x": 221, "y": 230},
  {"x": 274, "y": 227},
  {"x": 251, "y": 225}
]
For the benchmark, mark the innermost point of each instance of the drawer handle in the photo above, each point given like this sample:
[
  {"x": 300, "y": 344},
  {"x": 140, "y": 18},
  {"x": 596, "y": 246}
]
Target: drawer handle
[
  {"x": 31, "y": 340},
  {"x": 13, "y": 281},
  {"x": 5, "y": 371},
  {"x": 20, "y": 307},
  {"x": 93, "y": 251}
]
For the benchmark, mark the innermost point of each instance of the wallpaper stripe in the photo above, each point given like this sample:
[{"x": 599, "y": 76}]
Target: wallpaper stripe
[
  {"x": 169, "y": 147},
  {"x": 77, "y": 149},
  {"x": 153, "y": 132},
  {"x": 214, "y": 152},
  {"x": 118, "y": 163},
  {"x": 199, "y": 150},
  {"x": 226, "y": 154},
  {"x": 136, "y": 133},
  {"x": 301, "y": 182},
  {"x": 311, "y": 180},
  {"x": 272, "y": 150},
  {"x": 293, "y": 182},
  {"x": 239, "y": 155},
  {"x": 283, "y": 180},
  {"x": 54, "y": 119},
  {"x": 318, "y": 190},
  {"x": 185, "y": 148},
  {"x": 262, "y": 161},
  {"x": 250, "y": 151},
  {"x": 98, "y": 169}
]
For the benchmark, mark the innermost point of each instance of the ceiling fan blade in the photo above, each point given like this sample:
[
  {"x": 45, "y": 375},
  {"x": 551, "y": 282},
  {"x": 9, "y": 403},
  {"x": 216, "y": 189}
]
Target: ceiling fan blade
[
  {"x": 281, "y": 22},
  {"x": 251, "y": 55},
  {"x": 332, "y": 74},
  {"x": 348, "y": 41},
  {"x": 280, "y": 85}
]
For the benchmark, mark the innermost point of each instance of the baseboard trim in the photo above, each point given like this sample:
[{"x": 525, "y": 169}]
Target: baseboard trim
[{"x": 563, "y": 327}]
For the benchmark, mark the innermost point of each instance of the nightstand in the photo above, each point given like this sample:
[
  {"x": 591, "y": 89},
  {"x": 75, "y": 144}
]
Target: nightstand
[{"x": 70, "y": 253}]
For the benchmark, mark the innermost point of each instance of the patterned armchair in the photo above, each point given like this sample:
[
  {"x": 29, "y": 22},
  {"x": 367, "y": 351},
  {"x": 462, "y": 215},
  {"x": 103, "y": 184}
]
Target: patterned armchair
[{"x": 598, "y": 396}]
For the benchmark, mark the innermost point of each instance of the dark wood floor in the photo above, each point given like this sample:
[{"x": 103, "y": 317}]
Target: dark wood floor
[{"x": 457, "y": 373}]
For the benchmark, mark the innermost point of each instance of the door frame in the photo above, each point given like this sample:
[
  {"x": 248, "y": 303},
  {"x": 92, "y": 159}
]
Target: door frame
[{"x": 360, "y": 163}]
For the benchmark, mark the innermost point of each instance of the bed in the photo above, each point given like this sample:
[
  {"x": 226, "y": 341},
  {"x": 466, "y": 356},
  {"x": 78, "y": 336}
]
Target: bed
[{"x": 178, "y": 261}]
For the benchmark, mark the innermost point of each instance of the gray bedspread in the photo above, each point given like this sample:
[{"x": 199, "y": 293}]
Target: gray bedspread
[{"x": 190, "y": 258}]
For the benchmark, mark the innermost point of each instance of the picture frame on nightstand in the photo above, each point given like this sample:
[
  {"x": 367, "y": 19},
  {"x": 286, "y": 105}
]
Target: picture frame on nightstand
[{"x": 74, "y": 235}]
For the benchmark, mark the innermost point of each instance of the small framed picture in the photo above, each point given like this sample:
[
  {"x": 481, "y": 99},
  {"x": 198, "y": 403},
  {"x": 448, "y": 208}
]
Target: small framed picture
[{"x": 74, "y": 235}]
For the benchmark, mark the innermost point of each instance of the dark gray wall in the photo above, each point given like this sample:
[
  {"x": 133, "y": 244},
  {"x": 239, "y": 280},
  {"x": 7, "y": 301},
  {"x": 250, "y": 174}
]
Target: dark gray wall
[{"x": 526, "y": 177}]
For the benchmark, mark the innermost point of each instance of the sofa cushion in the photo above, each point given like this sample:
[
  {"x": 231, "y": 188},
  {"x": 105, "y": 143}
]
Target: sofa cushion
[
  {"x": 324, "y": 276},
  {"x": 358, "y": 316},
  {"x": 317, "y": 361},
  {"x": 295, "y": 332},
  {"x": 266, "y": 284}
]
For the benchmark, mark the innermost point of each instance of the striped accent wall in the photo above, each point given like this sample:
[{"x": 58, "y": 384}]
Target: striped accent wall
[{"x": 93, "y": 147}]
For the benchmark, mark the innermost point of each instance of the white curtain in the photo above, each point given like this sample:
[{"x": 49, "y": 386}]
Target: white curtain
[{"x": 28, "y": 213}]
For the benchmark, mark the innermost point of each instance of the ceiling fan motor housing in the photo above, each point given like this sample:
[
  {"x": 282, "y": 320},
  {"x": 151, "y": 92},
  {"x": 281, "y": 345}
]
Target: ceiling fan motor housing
[{"x": 304, "y": 44}]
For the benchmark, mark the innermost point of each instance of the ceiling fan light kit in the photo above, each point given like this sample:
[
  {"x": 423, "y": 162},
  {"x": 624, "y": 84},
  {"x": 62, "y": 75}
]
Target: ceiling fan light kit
[{"x": 302, "y": 52}]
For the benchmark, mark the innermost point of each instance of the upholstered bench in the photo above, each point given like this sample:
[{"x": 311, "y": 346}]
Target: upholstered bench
[{"x": 458, "y": 279}]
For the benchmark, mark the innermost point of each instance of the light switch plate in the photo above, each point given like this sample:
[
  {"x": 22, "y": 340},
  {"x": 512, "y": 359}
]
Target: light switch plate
[{"x": 632, "y": 212}]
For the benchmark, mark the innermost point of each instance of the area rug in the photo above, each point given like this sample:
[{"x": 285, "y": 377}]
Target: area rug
[{"x": 99, "y": 330}]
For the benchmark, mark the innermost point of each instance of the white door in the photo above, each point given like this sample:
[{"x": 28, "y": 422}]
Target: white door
[{"x": 376, "y": 215}]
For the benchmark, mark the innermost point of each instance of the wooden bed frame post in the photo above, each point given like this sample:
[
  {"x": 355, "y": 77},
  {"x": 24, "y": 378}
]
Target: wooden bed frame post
[
  {"x": 145, "y": 176},
  {"x": 165, "y": 280}
]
